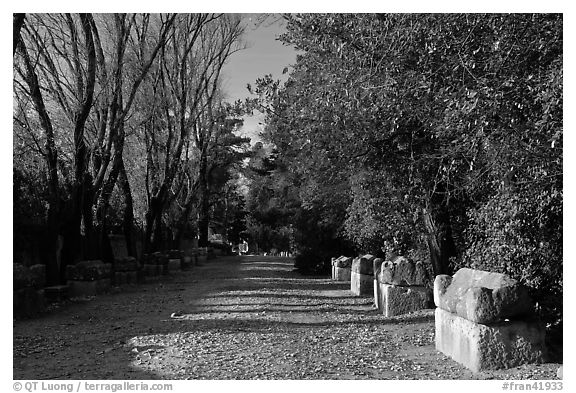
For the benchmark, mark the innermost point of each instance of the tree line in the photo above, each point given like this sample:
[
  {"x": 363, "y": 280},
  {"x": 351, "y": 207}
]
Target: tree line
[
  {"x": 437, "y": 136},
  {"x": 121, "y": 124}
]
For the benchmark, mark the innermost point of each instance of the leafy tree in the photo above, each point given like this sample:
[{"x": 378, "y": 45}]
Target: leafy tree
[
  {"x": 427, "y": 123},
  {"x": 269, "y": 202}
]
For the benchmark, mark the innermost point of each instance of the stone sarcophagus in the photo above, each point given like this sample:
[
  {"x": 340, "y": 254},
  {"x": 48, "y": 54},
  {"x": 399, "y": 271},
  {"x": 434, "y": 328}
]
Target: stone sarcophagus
[
  {"x": 362, "y": 275},
  {"x": 400, "y": 287},
  {"x": 341, "y": 268},
  {"x": 28, "y": 289},
  {"x": 155, "y": 264},
  {"x": 376, "y": 264},
  {"x": 485, "y": 321},
  {"x": 125, "y": 271},
  {"x": 186, "y": 262},
  {"x": 175, "y": 260},
  {"x": 88, "y": 278}
]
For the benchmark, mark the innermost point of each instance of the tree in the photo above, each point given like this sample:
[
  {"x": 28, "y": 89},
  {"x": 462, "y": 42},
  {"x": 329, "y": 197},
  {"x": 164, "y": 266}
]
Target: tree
[
  {"x": 76, "y": 105},
  {"x": 427, "y": 123},
  {"x": 71, "y": 90},
  {"x": 108, "y": 154},
  {"x": 178, "y": 113}
]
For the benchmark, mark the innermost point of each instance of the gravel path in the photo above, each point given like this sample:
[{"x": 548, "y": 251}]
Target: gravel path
[{"x": 236, "y": 318}]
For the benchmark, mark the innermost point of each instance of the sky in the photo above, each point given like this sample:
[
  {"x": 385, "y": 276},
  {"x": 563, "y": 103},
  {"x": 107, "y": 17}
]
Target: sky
[{"x": 264, "y": 55}]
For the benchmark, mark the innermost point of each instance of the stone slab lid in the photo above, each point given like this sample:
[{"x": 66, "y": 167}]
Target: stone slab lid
[
  {"x": 403, "y": 272},
  {"x": 343, "y": 262},
  {"x": 363, "y": 264},
  {"x": 482, "y": 297}
]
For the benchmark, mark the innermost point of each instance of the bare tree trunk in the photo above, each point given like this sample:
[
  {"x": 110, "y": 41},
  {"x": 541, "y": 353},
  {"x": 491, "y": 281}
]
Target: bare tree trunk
[
  {"x": 158, "y": 238},
  {"x": 51, "y": 157},
  {"x": 204, "y": 205},
  {"x": 153, "y": 234},
  {"x": 81, "y": 234},
  {"x": 439, "y": 237},
  {"x": 148, "y": 230},
  {"x": 128, "y": 221},
  {"x": 182, "y": 223}
]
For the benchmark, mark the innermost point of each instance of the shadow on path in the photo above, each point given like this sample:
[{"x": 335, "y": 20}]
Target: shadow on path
[{"x": 173, "y": 328}]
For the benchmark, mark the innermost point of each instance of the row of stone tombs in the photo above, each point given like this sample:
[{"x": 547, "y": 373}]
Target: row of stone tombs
[{"x": 483, "y": 320}]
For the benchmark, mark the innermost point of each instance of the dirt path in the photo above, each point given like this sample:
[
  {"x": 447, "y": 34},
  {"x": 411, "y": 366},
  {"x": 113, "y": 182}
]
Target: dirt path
[{"x": 236, "y": 318}]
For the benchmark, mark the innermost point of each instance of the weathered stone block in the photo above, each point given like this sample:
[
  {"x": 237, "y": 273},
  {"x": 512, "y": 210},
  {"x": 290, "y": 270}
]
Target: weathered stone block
[
  {"x": 131, "y": 278},
  {"x": 28, "y": 301},
  {"x": 342, "y": 261},
  {"x": 21, "y": 275},
  {"x": 56, "y": 293},
  {"x": 377, "y": 295},
  {"x": 482, "y": 347},
  {"x": 88, "y": 270},
  {"x": 152, "y": 270},
  {"x": 175, "y": 254},
  {"x": 174, "y": 265},
  {"x": 119, "y": 278},
  {"x": 441, "y": 284},
  {"x": 38, "y": 273},
  {"x": 483, "y": 297},
  {"x": 398, "y": 300},
  {"x": 40, "y": 301},
  {"x": 127, "y": 264},
  {"x": 187, "y": 262},
  {"x": 361, "y": 284},
  {"x": 118, "y": 246},
  {"x": 376, "y": 264},
  {"x": 402, "y": 271},
  {"x": 89, "y": 288},
  {"x": 160, "y": 258},
  {"x": 156, "y": 258},
  {"x": 363, "y": 265},
  {"x": 341, "y": 273},
  {"x": 123, "y": 278}
]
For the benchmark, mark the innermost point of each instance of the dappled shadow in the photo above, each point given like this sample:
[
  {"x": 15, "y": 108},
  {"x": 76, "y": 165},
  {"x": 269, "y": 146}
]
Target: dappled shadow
[
  {"x": 97, "y": 337},
  {"x": 320, "y": 308},
  {"x": 264, "y": 324},
  {"x": 269, "y": 285},
  {"x": 282, "y": 296}
]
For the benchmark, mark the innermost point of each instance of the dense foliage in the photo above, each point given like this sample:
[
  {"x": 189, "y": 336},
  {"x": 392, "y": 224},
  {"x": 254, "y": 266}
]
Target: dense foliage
[{"x": 437, "y": 135}]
